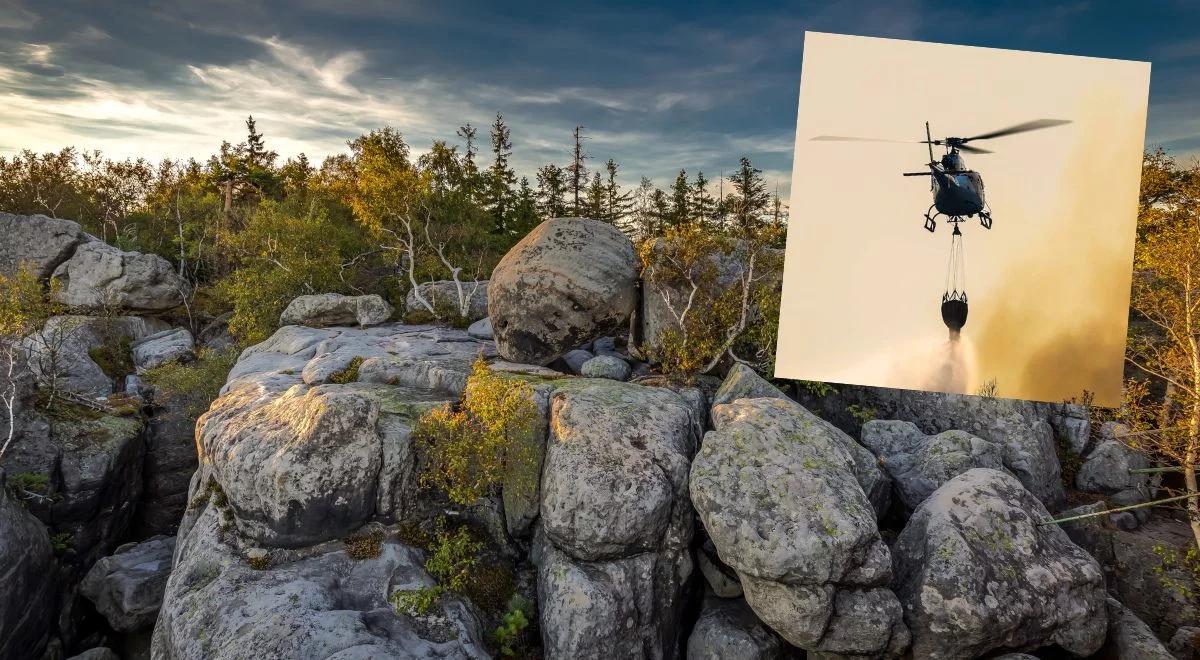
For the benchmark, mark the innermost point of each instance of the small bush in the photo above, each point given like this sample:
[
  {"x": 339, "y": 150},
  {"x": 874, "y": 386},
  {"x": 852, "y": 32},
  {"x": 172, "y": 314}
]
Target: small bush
[
  {"x": 29, "y": 482},
  {"x": 259, "y": 562},
  {"x": 195, "y": 385},
  {"x": 1186, "y": 562},
  {"x": 474, "y": 449},
  {"x": 61, "y": 542},
  {"x": 817, "y": 388},
  {"x": 490, "y": 586},
  {"x": 365, "y": 546},
  {"x": 508, "y": 634},
  {"x": 113, "y": 357},
  {"x": 349, "y": 374},
  {"x": 862, "y": 414},
  {"x": 416, "y": 602}
]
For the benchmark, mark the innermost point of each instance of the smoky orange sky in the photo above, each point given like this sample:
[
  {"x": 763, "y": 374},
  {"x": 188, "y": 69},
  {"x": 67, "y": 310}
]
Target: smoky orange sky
[{"x": 1048, "y": 284}]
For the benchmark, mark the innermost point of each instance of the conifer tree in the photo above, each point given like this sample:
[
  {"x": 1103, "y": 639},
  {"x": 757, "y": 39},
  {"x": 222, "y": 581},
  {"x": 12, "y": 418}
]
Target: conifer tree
[
  {"x": 551, "y": 195},
  {"x": 577, "y": 172},
  {"x": 680, "y": 198},
  {"x": 470, "y": 170},
  {"x": 525, "y": 209},
  {"x": 593, "y": 203},
  {"x": 617, "y": 204},
  {"x": 749, "y": 199},
  {"x": 498, "y": 192},
  {"x": 660, "y": 212},
  {"x": 702, "y": 203}
]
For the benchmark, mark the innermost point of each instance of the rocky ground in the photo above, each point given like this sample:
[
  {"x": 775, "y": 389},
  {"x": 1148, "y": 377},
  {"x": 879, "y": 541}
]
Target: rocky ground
[{"x": 725, "y": 519}]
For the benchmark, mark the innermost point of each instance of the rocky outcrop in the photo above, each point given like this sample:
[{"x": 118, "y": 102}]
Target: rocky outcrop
[
  {"x": 330, "y": 309},
  {"x": 303, "y": 459},
  {"x": 568, "y": 281},
  {"x": 613, "y": 563},
  {"x": 127, "y": 587},
  {"x": 65, "y": 350},
  {"x": 444, "y": 297},
  {"x": 319, "y": 603},
  {"x": 919, "y": 464},
  {"x": 27, "y": 580},
  {"x": 100, "y": 275},
  {"x": 1107, "y": 469},
  {"x": 728, "y": 630},
  {"x": 41, "y": 242},
  {"x": 777, "y": 493},
  {"x": 978, "y": 574},
  {"x": 174, "y": 345},
  {"x": 1129, "y": 638},
  {"x": 1022, "y": 428}
]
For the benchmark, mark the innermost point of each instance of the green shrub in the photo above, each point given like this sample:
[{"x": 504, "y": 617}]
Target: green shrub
[
  {"x": 1186, "y": 563},
  {"x": 195, "y": 385},
  {"x": 453, "y": 563},
  {"x": 862, "y": 414},
  {"x": 817, "y": 388},
  {"x": 29, "y": 482},
  {"x": 514, "y": 622},
  {"x": 349, "y": 373},
  {"x": 61, "y": 542},
  {"x": 416, "y": 602},
  {"x": 485, "y": 442},
  {"x": 113, "y": 356}
]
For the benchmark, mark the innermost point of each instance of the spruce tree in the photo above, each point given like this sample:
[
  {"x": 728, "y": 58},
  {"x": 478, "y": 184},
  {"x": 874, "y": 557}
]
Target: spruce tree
[
  {"x": 551, "y": 195},
  {"x": 617, "y": 204},
  {"x": 498, "y": 192},
  {"x": 593, "y": 203},
  {"x": 525, "y": 209},
  {"x": 577, "y": 172},
  {"x": 749, "y": 199},
  {"x": 680, "y": 196},
  {"x": 660, "y": 212},
  {"x": 703, "y": 204}
]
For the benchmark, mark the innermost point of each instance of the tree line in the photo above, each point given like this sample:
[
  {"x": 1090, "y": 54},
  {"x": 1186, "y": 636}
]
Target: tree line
[{"x": 249, "y": 230}]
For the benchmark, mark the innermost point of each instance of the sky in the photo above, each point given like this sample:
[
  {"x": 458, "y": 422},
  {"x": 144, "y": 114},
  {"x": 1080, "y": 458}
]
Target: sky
[
  {"x": 658, "y": 87},
  {"x": 1048, "y": 284}
]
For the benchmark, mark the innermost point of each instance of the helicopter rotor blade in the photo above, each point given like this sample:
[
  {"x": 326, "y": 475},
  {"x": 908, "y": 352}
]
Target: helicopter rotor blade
[
  {"x": 847, "y": 138},
  {"x": 1034, "y": 125},
  {"x": 972, "y": 150}
]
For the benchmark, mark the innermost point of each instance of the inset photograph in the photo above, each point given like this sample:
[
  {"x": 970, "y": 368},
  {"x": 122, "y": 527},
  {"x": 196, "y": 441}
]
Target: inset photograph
[{"x": 962, "y": 219}]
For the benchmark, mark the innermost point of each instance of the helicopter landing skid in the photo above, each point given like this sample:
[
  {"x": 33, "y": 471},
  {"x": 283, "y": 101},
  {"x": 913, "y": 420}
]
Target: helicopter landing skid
[
  {"x": 985, "y": 219},
  {"x": 930, "y": 223}
]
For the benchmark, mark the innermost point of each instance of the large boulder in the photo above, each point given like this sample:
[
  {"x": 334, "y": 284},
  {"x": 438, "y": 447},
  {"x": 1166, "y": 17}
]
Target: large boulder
[
  {"x": 312, "y": 434},
  {"x": 605, "y": 366},
  {"x": 1108, "y": 469},
  {"x": 919, "y": 464},
  {"x": 614, "y": 559},
  {"x": 27, "y": 580},
  {"x": 615, "y": 476},
  {"x": 978, "y": 573},
  {"x": 65, "y": 350},
  {"x": 728, "y": 630},
  {"x": 319, "y": 603},
  {"x": 742, "y": 382},
  {"x": 127, "y": 587},
  {"x": 37, "y": 240},
  {"x": 100, "y": 275},
  {"x": 334, "y": 309},
  {"x": 444, "y": 297},
  {"x": 174, "y": 345},
  {"x": 777, "y": 493},
  {"x": 568, "y": 281}
]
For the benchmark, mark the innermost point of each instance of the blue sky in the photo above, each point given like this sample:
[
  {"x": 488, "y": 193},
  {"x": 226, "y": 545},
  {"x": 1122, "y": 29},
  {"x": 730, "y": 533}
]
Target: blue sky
[{"x": 658, "y": 87}]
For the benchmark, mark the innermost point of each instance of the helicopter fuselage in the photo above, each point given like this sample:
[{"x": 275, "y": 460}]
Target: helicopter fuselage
[{"x": 957, "y": 192}]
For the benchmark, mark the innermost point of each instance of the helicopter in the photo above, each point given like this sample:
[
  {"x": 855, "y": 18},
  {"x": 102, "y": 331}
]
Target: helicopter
[
  {"x": 958, "y": 195},
  {"x": 957, "y": 191}
]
